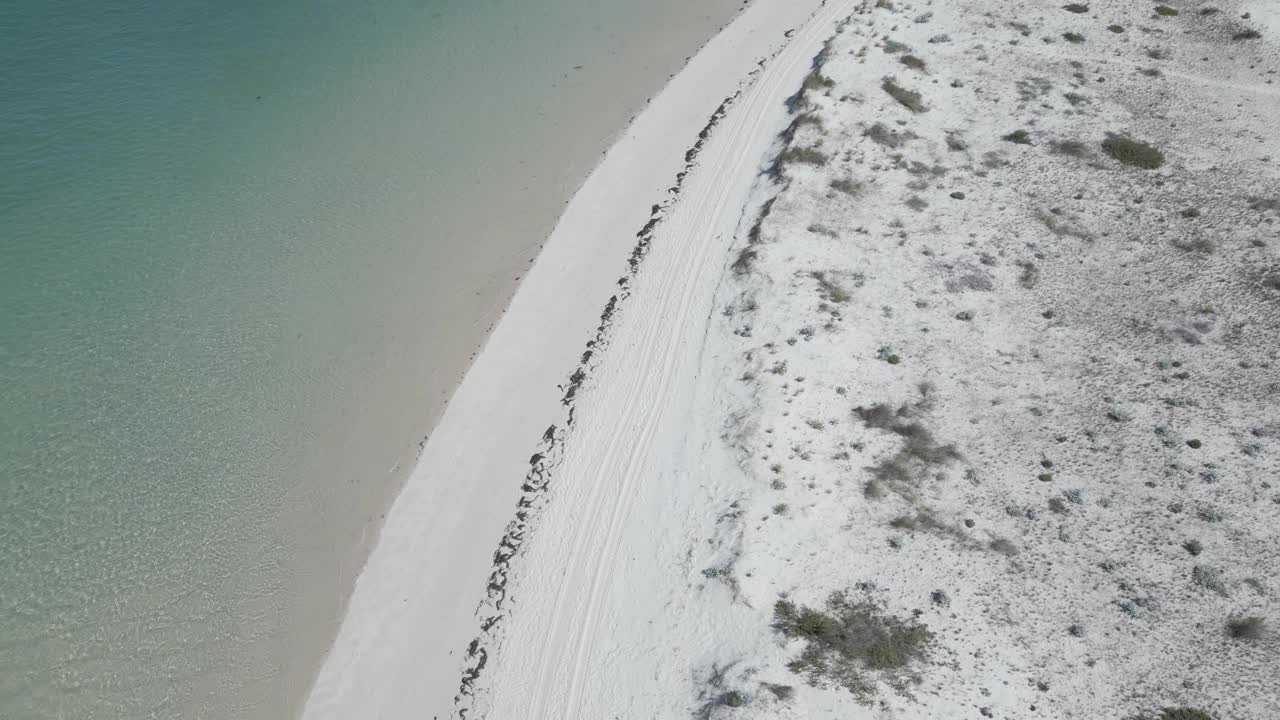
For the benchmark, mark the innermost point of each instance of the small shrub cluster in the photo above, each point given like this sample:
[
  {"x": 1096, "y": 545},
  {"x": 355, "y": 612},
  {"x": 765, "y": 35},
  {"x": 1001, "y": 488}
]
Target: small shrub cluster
[
  {"x": 1018, "y": 137},
  {"x": 911, "y": 100},
  {"x": 852, "y": 644},
  {"x": 1133, "y": 152},
  {"x": 1247, "y": 628},
  {"x": 806, "y": 155}
]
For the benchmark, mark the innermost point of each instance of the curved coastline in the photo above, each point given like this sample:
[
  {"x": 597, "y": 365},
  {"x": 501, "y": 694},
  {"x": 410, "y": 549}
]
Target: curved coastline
[{"x": 402, "y": 644}]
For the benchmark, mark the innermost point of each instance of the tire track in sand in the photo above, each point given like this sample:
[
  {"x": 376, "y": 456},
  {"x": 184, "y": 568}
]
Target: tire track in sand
[{"x": 644, "y": 353}]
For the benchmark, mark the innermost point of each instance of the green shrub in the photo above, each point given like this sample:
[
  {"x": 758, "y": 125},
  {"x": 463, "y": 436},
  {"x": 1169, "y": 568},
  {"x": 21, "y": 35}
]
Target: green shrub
[
  {"x": 912, "y": 62},
  {"x": 1133, "y": 152},
  {"x": 1116, "y": 28},
  {"x": 1179, "y": 713},
  {"x": 1073, "y": 37},
  {"x": 1207, "y": 578},
  {"x": 806, "y": 155},
  {"x": 1247, "y": 628},
  {"x": 907, "y": 98},
  {"x": 1247, "y": 35},
  {"x": 1078, "y": 8},
  {"x": 1074, "y": 148},
  {"x": 1166, "y": 11},
  {"x": 847, "y": 186},
  {"x": 852, "y": 644},
  {"x": 1018, "y": 137}
]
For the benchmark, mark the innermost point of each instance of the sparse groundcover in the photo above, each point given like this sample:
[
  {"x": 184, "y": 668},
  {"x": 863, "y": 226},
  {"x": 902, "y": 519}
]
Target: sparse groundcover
[
  {"x": 806, "y": 155},
  {"x": 848, "y": 186},
  {"x": 1018, "y": 137},
  {"x": 1074, "y": 148},
  {"x": 907, "y": 98},
  {"x": 893, "y": 47},
  {"x": 1178, "y": 713},
  {"x": 912, "y": 62},
  {"x": 853, "y": 644},
  {"x": 1247, "y": 628},
  {"x": 1132, "y": 152}
]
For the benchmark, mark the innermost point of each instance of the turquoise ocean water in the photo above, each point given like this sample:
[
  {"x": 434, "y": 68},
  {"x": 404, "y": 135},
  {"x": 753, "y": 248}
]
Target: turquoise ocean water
[{"x": 246, "y": 249}]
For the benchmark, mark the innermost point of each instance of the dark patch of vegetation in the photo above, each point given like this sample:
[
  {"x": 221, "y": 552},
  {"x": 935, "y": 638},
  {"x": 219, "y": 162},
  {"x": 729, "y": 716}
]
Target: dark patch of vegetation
[
  {"x": 782, "y": 692},
  {"x": 911, "y": 100},
  {"x": 1133, "y": 152},
  {"x": 1074, "y": 148},
  {"x": 1208, "y": 578},
  {"x": 1073, "y": 37},
  {"x": 1018, "y": 137},
  {"x": 1076, "y": 99},
  {"x": 893, "y": 47},
  {"x": 746, "y": 258},
  {"x": 1116, "y": 28},
  {"x": 1194, "y": 444},
  {"x": 1004, "y": 547},
  {"x": 806, "y": 155},
  {"x": 847, "y": 186},
  {"x": 1030, "y": 274},
  {"x": 1178, "y": 713},
  {"x": 881, "y": 134},
  {"x": 852, "y": 644},
  {"x": 1249, "y": 34},
  {"x": 1166, "y": 11},
  {"x": 1078, "y": 8},
  {"x": 1195, "y": 244},
  {"x": 912, "y": 62},
  {"x": 1151, "y": 72},
  {"x": 1190, "y": 212},
  {"x": 829, "y": 290},
  {"x": 735, "y": 698},
  {"x": 1247, "y": 628},
  {"x": 1193, "y": 546}
]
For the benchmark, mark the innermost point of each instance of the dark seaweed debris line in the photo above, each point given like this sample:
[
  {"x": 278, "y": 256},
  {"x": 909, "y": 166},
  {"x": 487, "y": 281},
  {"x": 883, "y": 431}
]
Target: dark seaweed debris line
[{"x": 550, "y": 450}]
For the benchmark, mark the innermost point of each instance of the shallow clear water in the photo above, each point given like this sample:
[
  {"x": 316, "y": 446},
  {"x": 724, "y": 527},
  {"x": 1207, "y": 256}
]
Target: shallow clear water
[{"x": 246, "y": 250}]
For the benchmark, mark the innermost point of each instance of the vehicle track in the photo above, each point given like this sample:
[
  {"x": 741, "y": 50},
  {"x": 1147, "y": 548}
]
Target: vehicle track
[{"x": 612, "y": 441}]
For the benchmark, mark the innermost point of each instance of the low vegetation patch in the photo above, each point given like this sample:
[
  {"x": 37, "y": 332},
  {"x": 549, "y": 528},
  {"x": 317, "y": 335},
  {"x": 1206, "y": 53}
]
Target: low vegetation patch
[
  {"x": 1073, "y": 37},
  {"x": 1133, "y": 152},
  {"x": 1074, "y": 148},
  {"x": 1166, "y": 11},
  {"x": 1078, "y": 8},
  {"x": 912, "y": 62},
  {"x": 806, "y": 155},
  {"x": 1178, "y": 713},
  {"x": 1247, "y": 628},
  {"x": 853, "y": 644},
  {"x": 848, "y": 186},
  {"x": 1018, "y": 137},
  {"x": 909, "y": 99}
]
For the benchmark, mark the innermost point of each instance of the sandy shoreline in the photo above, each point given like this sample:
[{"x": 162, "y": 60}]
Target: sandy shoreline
[{"x": 401, "y": 643}]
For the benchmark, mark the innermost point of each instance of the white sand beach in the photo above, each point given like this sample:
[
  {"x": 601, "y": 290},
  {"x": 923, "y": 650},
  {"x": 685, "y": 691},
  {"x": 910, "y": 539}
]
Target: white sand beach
[{"x": 902, "y": 360}]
